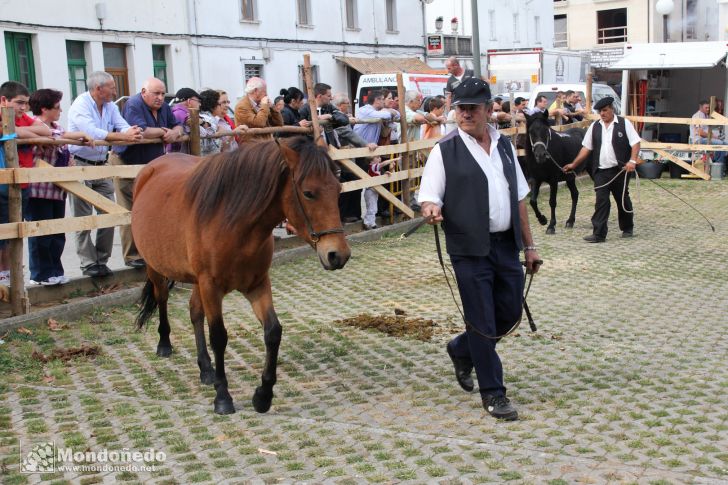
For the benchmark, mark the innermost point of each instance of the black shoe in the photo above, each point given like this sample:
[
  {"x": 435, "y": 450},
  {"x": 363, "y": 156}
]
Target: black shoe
[
  {"x": 593, "y": 238},
  {"x": 104, "y": 270},
  {"x": 463, "y": 370},
  {"x": 626, "y": 234},
  {"x": 136, "y": 263},
  {"x": 93, "y": 271},
  {"x": 500, "y": 407}
]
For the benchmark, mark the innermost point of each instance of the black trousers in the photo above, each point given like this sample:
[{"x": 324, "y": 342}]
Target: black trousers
[
  {"x": 491, "y": 289},
  {"x": 603, "y": 205}
]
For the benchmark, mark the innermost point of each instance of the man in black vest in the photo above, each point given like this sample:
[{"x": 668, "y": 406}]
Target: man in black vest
[
  {"x": 611, "y": 162},
  {"x": 473, "y": 184}
]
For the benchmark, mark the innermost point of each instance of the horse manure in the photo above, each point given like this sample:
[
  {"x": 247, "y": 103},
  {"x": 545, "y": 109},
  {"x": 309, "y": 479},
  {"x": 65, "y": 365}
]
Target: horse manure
[
  {"x": 399, "y": 311},
  {"x": 397, "y": 326},
  {"x": 68, "y": 354}
]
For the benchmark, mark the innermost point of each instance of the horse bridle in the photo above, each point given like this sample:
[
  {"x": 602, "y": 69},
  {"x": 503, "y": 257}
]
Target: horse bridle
[
  {"x": 546, "y": 148},
  {"x": 315, "y": 236}
]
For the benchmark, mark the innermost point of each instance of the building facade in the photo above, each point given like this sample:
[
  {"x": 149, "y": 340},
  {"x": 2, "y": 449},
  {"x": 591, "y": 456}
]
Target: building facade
[
  {"x": 516, "y": 24},
  {"x": 202, "y": 43}
]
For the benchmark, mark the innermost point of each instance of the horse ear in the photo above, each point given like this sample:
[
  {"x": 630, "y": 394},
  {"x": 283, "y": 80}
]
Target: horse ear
[{"x": 290, "y": 157}]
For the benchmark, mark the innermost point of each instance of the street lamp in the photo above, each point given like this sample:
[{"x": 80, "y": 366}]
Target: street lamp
[
  {"x": 664, "y": 8},
  {"x": 438, "y": 24}
]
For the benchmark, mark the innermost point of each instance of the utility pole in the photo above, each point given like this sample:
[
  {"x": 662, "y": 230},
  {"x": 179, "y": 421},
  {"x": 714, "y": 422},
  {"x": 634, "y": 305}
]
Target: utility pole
[{"x": 475, "y": 38}]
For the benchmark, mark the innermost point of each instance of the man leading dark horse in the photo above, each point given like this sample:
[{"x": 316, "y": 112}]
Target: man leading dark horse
[
  {"x": 614, "y": 146},
  {"x": 473, "y": 184}
]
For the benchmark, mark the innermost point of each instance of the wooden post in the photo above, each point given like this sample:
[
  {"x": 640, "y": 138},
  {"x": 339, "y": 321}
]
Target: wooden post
[
  {"x": 312, "y": 100},
  {"x": 19, "y": 302},
  {"x": 706, "y": 167},
  {"x": 406, "y": 157},
  {"x": 588, "y": 94},
  {"x": 559, "y": 105},
  {"x": 194, "y": 132},
  {"x": 514, "y": 122}
]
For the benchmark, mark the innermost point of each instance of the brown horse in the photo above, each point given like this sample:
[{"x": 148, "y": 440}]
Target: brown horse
[{"x": 209, "y": 222}]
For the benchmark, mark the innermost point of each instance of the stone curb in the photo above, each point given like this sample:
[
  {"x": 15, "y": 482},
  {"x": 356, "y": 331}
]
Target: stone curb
[{"x": 74, "y": 310}]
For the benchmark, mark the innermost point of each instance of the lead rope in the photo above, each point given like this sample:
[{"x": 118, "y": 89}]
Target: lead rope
[
  {"x": 624, "y": 187},
  {"x": 445, "y": 269}
]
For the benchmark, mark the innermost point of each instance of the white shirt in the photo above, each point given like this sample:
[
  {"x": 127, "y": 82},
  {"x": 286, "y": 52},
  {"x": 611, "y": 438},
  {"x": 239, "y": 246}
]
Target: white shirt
[
  {"x": 432, "y": 187},
  {"x": 84, "y": 116},
  {"x": 607, "y": 157}
]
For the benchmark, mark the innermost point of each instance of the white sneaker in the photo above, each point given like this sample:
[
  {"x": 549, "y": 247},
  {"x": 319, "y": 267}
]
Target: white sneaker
[
  {"x": 52, "y": 281},
  {"x": 61, "y": 280}
]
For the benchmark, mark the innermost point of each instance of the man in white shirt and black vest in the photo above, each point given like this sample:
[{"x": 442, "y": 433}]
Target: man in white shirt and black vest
[
  {"x": 473, "y": 184},
  {"x": 611, "y": 163}
]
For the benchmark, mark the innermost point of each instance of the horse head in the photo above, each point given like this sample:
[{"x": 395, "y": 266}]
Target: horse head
[
  {"x": 311, "y": 200},
  {"x": 539, "y": 135}
]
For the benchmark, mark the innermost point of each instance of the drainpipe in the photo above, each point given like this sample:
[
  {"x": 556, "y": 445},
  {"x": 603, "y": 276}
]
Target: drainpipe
[{"x": 475, "y": 38}]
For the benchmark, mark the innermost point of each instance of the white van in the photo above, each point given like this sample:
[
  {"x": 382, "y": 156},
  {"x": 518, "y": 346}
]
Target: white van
[
  {"x": 427, "y": 84},
  {"x": 599, "y": 91}
]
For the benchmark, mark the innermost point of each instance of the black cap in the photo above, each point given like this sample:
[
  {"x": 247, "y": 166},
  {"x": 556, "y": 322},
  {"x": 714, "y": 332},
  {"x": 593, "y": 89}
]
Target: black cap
[
  {"x": 471, "y": 91},
  {"x": 186, "y": 93},
  {"x": 603, "y": 103}
]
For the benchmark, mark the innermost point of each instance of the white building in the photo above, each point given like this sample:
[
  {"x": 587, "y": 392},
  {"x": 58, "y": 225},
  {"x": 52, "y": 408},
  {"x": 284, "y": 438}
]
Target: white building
[
  {"x": 514, "y": 24},
  {"x": 202, "y": 43}
]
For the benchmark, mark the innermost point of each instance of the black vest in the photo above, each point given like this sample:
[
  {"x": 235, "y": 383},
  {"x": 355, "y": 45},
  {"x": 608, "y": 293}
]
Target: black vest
[
  {"x": 465, "y": 204},
  {"x": 620, "y": 143}
]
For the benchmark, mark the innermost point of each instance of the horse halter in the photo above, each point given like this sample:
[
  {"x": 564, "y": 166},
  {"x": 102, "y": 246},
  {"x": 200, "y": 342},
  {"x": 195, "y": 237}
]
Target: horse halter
[
  {"x": 545, "y": 145},
  {"x": 315, "y": 236}
]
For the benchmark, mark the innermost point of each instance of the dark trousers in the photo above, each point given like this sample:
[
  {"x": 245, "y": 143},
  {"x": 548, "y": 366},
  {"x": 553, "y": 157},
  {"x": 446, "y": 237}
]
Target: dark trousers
[
  {"x": 491, "y": 289},
  {"x": 45, "y": 251},
  {"x": 602, "y": 205}
]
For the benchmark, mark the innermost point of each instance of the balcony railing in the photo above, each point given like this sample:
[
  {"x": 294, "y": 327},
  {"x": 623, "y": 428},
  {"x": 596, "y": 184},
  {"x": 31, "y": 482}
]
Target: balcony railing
[{"x": 612, "y": 35}]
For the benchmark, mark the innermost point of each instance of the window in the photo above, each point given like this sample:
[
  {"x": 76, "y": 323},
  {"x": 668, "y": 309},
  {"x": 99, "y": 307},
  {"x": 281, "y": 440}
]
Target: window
[
  {"x": 159, "y": 63},
  {"x": 304, "y": 12},
  {"x": 612, "y": 26},
  {"x": 391, "y": 8},
  {"x": 691, "y": 14},
  {"x": 561, "y": 36},
  {"x": 516, "y": 31},
  {"x": 253, "y": 70},
  {"x": 247, "y": 12},
  {"x": 491, "y": 24},
  {"x": 21, "y": 67},
  {"x": 537, "y": 29},
  {"x": 115, "y": 64},
  {"x": 352, "y": 21},
  {"x": 76, "y": 67},
  {"x": 302, "y": 78}
]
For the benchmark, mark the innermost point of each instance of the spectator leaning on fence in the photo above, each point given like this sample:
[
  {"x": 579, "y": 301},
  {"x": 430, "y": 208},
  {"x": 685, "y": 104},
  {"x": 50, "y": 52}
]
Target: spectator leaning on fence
[
  {"x": 373, "y": 109},
  {"x": 15, "y": 95},
  {"x": 185, "y": 99},
  {"x": 326, "y": 112},
  {"x": 254, "y": 109},
  {"x": 154, "y": 117},
  {"x": 229, "y": 143},
  {"x": 47, "y": 200},
  {"x": 701, "y": 133}
]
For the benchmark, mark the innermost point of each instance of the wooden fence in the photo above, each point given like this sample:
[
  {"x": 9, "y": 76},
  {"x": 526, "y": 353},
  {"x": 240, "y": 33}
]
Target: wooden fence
[{"x": 112, "y": 214}]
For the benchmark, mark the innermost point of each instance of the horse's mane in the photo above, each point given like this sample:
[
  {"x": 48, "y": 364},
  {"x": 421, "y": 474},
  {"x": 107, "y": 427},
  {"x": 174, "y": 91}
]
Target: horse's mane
[{"x": 244, "y": 183}]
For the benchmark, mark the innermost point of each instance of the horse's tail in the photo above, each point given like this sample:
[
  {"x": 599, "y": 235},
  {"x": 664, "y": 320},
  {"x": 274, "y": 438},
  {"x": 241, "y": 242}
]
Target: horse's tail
[{"x": 147, "y": 304}]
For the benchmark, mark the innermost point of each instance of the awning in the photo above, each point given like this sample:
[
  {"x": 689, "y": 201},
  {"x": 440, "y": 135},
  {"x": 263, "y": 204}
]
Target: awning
[
  {"x": 380, "y": 65},
  {"x": 672, "y": 55}
]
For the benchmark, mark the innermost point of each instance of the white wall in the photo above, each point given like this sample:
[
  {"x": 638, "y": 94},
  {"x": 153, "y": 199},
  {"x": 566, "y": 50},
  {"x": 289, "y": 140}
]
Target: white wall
[{"x": 207, "y": 41}]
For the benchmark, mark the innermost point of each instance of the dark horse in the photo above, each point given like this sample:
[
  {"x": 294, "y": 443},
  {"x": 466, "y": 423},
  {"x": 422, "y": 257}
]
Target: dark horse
[
  {"x": 209, "y": 222},
  {"x": 547, "y": 151}
]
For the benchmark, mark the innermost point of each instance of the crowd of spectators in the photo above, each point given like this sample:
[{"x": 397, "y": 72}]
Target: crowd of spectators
[{"x": 94, "y": 117}]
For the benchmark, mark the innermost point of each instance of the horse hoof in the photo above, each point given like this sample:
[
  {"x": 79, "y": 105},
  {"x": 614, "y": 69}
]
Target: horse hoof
[
  {"x": 207, "y": 377},
  {"x": 164, "y": 351},
  {"x": 550, "y": 230},
  {"x": 224, "y": 407},
  {"x": 569, "y": 225},
  {"x": 262, "y": 400},
  {"x": 542, "y": 220}
]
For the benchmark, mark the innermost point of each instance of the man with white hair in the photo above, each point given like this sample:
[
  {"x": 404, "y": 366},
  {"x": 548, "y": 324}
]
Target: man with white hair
[
  {"x": 95, "y": 113},
  {"x": 254, "y": 109}
]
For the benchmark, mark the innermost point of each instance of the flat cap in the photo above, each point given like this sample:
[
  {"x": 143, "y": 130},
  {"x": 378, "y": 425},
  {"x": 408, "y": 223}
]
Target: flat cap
[
  {"x": 471, "y": 91},
  {"x": 603, "y": 103}
]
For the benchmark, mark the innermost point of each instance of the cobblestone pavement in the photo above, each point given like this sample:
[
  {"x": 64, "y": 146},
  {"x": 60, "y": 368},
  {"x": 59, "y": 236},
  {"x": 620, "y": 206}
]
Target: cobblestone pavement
[{"x": 626, "y": 380}]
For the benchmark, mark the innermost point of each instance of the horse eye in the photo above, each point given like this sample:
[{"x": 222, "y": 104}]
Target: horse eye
[{"x": 308, "y": 195}]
